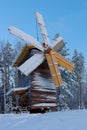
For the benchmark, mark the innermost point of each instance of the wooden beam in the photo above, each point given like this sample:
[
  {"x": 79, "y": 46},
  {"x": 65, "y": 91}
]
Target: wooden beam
[
  {"x": 42, "y": 101},
  {"x": 53, "y": 66},
  {"x": 64, "y": 62},
  {"x": 51, "y": 107},
  {"x": 39, "y": 92}
]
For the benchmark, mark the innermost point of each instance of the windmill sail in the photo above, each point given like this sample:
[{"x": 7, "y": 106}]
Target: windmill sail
[
  {"x": 43, "y": 28},
  {"x": 31, "y": 64},
  {"x": 25, "y": 37},
  {"x": 58, "y": 44},
  {"x": 64, "y": 62}
]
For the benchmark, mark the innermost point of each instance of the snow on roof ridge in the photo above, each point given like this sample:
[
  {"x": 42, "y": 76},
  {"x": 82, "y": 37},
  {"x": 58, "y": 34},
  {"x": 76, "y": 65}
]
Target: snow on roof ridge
[{"x": 16, "y": 89}]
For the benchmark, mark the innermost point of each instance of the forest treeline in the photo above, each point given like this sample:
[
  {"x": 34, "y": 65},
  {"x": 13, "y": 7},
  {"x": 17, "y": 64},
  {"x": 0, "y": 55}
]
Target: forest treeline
[{"x": 72, "y": 93}]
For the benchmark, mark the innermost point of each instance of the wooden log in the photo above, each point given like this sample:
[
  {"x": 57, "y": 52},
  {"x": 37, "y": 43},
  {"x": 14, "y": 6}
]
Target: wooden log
[
  {"x": 43, "y": 97},
  {"x": 42, "y": 109},
  {"x": 42, "y": 101},
  {"x": 42, "y": 92}
]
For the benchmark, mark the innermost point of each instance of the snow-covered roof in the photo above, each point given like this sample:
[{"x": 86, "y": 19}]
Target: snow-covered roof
[
  {"x": 17, "y": 90},
  {"x": 21, "y": 55}
]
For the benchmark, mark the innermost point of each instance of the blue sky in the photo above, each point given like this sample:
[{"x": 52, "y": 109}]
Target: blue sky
[{"x": 66, "y": 17}]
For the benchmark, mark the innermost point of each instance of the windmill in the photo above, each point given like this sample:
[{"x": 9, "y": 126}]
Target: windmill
[{"x": 47, "y": 51}]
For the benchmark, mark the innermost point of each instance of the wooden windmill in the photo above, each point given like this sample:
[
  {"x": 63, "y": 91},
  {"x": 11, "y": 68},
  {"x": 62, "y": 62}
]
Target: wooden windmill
[
  {"x": 42, "y": 95},
  {"x": 47, "y": 51}
]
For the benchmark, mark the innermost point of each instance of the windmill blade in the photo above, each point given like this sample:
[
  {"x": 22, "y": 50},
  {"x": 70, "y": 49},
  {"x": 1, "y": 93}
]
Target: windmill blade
[
  {"x": 53, "y": 66},
  {"x": 43, "y": 28},
  {"x": 31, "y": 64},
  {"x": 58, "y": 44},
  {"x": 64, "y": 62},
  {"x": 25, "y": 37}
]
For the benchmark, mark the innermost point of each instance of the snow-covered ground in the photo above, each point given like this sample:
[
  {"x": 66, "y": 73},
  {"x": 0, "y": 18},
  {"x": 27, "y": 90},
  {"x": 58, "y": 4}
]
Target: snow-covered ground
[{"x": 66, "y": 120}]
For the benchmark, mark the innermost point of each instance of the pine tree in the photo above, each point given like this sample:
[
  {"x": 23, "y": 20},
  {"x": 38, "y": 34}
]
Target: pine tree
[
  {"x": 66, "y": 93},
  {"x": 6, "y": 59},
  {"x": 78, "y": 60},
  {"x": 85, "y": 89}
]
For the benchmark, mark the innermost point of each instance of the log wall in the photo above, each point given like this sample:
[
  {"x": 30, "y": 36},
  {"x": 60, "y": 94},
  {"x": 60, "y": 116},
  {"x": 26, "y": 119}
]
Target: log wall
[{"x": 43, "y": 92}]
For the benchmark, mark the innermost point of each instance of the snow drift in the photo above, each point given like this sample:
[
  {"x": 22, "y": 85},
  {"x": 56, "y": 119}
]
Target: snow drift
[{"x": 66, "y": 120}]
